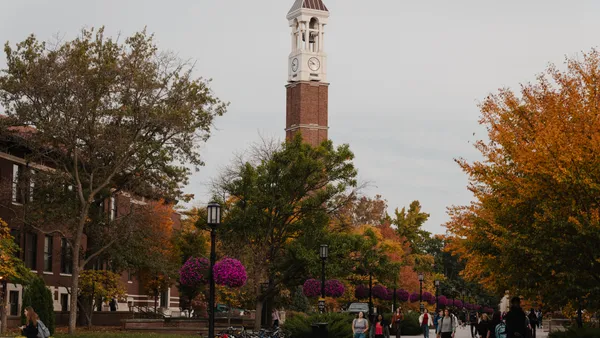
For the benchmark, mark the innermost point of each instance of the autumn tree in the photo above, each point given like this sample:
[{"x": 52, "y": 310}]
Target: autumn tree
[
  {"x": 278, "y": 199},
  {"x": 11, "y": 269},
  {"x": 534, "y": 225},
  {"x": 107, "y": 116},
  {"x": 99, "y": 286}
]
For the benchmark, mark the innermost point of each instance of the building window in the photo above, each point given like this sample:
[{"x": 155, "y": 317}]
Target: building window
[
  {"x": 66, "y": 263},
  {"x": 13, "y": 303},
  {"x": 113, "y": 208},
  {"x": 129, "y": 276},
  {"x": 48, "y": 253},
  {"x": 164, "y": 299},
  {"x": 31, "y": 250},
  {"x": 64, "y": 302},
  {"x": 17, "y": 186}
]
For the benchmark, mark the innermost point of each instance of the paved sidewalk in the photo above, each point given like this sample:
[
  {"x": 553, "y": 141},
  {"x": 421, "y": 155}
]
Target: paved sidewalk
[{"x": 466, "y": 333}]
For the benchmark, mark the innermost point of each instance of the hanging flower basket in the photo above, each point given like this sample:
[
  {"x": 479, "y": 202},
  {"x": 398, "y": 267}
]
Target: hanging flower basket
[
  {"x": 230, "y": 272},
  {"x": 442, "y": 300},
  {"x": 380, "y": 292},
  {"x": 361, "y": 292},
  {"x": 427, "y": 297},
  {"x": 311, "y": 288},
  {"x": 402, "y": 295},
  {"x": 458, "y": 303},
  {"x": 414, "y": 297},
  {"x": 334, "y": 288},
  {"x": 194, "y": 272}
]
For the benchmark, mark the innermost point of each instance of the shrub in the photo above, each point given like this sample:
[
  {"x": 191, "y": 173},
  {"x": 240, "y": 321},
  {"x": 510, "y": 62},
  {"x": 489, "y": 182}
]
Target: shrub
[
  {"x": 40, "y": 299},
  {"x": 299, "y": 301},
  {"x": 410, "y": 324},
  {"x": 339, "y": 325},
  {"x": 577, "y": 333}
]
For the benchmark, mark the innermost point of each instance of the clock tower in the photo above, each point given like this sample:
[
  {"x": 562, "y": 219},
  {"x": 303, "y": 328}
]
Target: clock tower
[{"x": 307, "y": 88}]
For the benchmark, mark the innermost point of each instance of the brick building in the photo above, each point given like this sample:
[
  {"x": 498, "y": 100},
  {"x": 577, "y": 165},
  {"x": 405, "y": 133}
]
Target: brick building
[{"x": 48, "y": 255}]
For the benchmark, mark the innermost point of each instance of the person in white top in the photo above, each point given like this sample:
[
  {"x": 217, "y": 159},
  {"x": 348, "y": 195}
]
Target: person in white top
[{"x": 425, "y": 320}]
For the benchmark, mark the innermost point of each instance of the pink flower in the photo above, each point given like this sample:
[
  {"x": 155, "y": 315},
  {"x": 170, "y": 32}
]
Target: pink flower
[
  {"x": 230, "y": 272},
  {"x": 311, "y": 288},
  {"x": 194, "y": 272},
  {"x": 334, "y": 288}
]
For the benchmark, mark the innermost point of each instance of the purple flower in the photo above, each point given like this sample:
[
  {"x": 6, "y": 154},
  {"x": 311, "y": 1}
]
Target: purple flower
[
  {"x": 230, "y": 272},
  {"x": 311, "y": 288},
  {"x": 427, "y": 297},
  {"x": 402, "y": 295},
  {"x": 334, "y": 288},
  {"x": 414, "y": 297},
  {"x": 194, "y": 272},
  {"x": 361, "y": 292},
  {"x": 380, "y": 291},
  {"x": 442, "y": 300},
  {"x": 458, "y": 303}
]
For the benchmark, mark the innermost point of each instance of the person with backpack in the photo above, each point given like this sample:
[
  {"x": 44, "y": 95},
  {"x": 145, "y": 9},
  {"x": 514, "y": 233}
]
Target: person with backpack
[
  {"x": 496, "y": 320},
  {"x": 34, "y": 327},
  {"x": 516, "y": 320},
  {"x": 447, "y": 325}
]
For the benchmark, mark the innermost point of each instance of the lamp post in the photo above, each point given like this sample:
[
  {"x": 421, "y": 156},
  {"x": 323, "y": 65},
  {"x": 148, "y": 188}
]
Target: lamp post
[
  {"x": 214, "y": 219},
  {"x": 437, "y": 289},
  {"x": 421, "y": 278},
  {"x": 323, "y": 252},
  {"x": 453, "y": 295}
]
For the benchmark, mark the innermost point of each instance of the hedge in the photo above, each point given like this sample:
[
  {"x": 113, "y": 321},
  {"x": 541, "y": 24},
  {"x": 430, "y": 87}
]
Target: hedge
[
  {"x": 577, "y": 333},
  {"x": 39, "y": 297}
]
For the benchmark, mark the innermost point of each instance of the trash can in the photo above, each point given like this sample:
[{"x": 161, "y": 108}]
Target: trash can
[{"x": 319, "y": 330}]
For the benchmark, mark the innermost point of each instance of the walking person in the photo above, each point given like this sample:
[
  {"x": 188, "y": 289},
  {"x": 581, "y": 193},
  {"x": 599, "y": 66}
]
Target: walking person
[
  {"x": 516, "y": 320},
  {"x": 533, "y": 322},
  {"x": 397, "y": 319},
  {"x": 33, "y": 327},
  {"x": 496, "y": 319},
  {"x": 380, "y": 329},
  {"x": 426, "y": 321},
  {"x": 436, "y": 319},
  {"x": 276, "y": 318},
  {"x": 447, "y": 325},
  {"x": 359, "y": 326},
  {"x": 473, "y": 323},
  {"x": 483, "y": 327}
]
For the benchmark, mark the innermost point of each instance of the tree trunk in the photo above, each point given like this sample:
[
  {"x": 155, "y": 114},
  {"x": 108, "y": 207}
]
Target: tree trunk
[
  {"x": 4, "y": 308},
  {"x": 258, "y": 315},
  {"x": 75, "y": 282}
]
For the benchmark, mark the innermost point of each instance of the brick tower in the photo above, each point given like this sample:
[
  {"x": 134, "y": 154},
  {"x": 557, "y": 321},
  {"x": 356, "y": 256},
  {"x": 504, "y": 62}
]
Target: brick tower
[{"x": 307, "y": 88}]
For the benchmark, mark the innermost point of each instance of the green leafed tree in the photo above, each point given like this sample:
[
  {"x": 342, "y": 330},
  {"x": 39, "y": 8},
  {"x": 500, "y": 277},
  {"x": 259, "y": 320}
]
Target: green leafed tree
[
  {"x": 278, "y": 198},
  {"x": 105, "y": 116},
  {"x": 39, "y": 297}
]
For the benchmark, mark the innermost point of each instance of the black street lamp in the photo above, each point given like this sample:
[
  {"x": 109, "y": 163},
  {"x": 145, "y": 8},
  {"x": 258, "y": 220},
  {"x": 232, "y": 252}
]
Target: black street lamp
[
  {"x": 214, "y": 219},
  {"x": 323, "y": 252},
  {"x": 370, "y": 295},
  {"x": 437, "y": 289},
  {"x": 421, "y": 278}
]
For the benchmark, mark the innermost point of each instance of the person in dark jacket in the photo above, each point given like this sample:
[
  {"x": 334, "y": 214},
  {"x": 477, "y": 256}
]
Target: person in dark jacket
[
  {"x": 516, "y": 320},
  {"x": 30, "y": 330},
  {"x": 533, "y": 322},
  {"x": 496, "y": 319}
]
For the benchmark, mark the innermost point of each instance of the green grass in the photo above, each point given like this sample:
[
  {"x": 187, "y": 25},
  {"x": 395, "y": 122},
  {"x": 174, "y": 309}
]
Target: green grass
[{"x": 122, "y": 335}]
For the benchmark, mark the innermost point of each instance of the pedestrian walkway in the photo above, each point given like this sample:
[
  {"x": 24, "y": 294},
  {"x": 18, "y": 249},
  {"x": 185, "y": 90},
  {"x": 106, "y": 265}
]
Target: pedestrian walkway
[{"x": 465, "y": 332}]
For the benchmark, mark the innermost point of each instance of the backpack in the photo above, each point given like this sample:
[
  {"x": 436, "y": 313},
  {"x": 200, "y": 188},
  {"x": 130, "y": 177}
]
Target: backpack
[
  {"x": 501, "y": 330},
  {"x": 43, "y": 331}
]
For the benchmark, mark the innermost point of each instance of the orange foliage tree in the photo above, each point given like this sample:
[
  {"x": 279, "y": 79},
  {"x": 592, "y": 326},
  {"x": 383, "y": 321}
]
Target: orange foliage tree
[{"x": 535, "y": 222}]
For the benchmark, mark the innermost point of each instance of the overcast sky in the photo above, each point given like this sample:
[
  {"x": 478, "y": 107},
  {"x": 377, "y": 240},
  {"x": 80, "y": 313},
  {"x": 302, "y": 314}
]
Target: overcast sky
[{"x": 406, "y": 76}]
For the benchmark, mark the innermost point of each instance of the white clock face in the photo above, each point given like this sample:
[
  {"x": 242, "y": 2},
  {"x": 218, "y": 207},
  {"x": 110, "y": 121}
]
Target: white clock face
[
  {"x": 295, "y": 64},
  {"x": 314, "y": 64}
]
